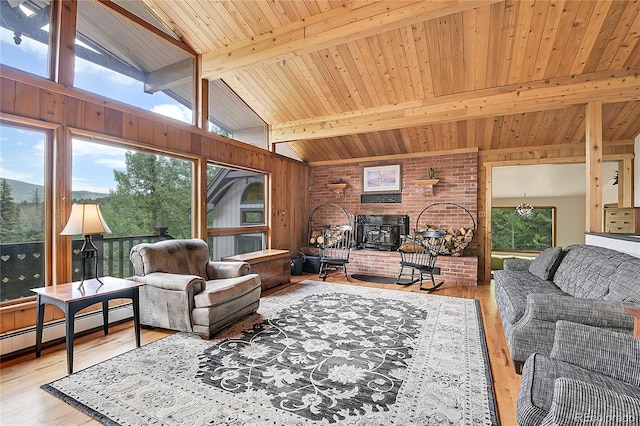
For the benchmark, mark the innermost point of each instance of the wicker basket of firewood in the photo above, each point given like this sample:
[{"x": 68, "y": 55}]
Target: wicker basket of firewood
[
  {"x": 457, "y": 236},
  {"x": 332, "y": 214}
]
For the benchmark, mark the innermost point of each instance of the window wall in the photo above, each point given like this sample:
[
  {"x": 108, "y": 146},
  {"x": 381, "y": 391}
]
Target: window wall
[
  {"x": 144, "y": 197},
  {"x": 122, "y": 61},
  {"x": 236, "y": 215},
  {"x": 22, "y": 210},
  {"x": 229, "y": 116},
  {"x": 24, "y": 35}
]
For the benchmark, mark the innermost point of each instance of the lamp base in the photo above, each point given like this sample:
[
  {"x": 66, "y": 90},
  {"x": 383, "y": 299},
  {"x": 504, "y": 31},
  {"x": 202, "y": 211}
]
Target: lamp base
[{"x": 89, "y": 254}]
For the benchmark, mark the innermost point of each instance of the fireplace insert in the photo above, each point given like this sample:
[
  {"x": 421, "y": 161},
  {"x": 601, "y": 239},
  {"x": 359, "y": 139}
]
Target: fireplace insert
[{"x": 380, "y": 232}]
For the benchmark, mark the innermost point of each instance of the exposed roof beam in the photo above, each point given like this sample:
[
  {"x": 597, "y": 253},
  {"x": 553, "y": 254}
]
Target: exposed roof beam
[
  {"x": 170, "y": 76},
  {"x": 114, "y": 7},
  {"x": 608, "y": 87},
  {"x": 336, "y": 26}
]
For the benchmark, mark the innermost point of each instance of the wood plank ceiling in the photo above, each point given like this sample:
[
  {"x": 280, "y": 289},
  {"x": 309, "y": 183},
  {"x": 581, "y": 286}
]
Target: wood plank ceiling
[{"x": 372, "y": 78}]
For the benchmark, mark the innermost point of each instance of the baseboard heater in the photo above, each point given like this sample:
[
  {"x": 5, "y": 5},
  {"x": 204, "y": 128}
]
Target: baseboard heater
[{"x": 18, "y": 340}]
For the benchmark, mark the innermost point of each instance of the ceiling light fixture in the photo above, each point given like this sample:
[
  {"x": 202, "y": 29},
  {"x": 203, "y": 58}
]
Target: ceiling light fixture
[{"x": 524, "y": 209}]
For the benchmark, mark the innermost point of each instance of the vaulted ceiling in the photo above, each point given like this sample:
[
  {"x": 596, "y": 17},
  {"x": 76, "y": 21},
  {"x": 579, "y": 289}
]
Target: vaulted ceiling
[{"x": 341, "y": 79}]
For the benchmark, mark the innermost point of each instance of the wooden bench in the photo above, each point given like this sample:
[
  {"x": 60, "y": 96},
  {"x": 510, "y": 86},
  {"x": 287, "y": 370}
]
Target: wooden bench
[{"x": 273, "y": 266}]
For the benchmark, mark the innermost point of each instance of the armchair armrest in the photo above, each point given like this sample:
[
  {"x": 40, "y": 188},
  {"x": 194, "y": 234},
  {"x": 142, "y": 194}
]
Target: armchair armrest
[
  {"x": 596, "y": 312},
  {"x": 575, "y": 402},
  {"x": 218, "y": 270},
  {"x": 596, "y": 349},
  {"x": 173, "y": 282}
]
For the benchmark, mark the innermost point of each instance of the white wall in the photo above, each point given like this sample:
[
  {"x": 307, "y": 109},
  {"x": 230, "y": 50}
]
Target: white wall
[
  {"x": 570, "y": 215},
  {"x": 559, "y": 185}
]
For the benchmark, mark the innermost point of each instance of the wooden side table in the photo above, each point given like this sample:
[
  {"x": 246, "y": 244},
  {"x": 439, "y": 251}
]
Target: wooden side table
[
  {"x": 72, "y": 299},
  {"x": 635, "y": 313}
]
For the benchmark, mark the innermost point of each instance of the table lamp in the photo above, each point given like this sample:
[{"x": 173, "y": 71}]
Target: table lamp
[{"x": 86, "y": 219}]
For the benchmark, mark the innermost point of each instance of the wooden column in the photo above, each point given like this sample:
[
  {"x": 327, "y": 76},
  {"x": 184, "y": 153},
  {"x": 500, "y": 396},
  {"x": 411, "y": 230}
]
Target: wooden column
[
  {"x": 62, "y": 51},
  {"x": 593, "y": 135},
  {"x": 199, "y": 201},
  {"x": 62, "y": 201},
  {"x": 201, "y": 98},
  {"x": 625, "y": 183},
  {"x": 485, "y": 195}
]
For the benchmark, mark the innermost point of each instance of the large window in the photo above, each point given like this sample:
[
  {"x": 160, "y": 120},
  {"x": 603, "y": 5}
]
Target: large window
[
  {"x": 22, "y": 211},
  {"x": 512, "y": 232},
  {"x": 120, "y": 60},
  {"x": 229, "y": 116},
  {"x": 24, "y": 36},
  {"x": 235, "y": 211},
  {"x": 144, "y": 197}
]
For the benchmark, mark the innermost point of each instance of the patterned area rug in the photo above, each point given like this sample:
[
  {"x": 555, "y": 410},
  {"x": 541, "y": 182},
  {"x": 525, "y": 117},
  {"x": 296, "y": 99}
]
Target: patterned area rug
[{"x": 316, "y": 353}]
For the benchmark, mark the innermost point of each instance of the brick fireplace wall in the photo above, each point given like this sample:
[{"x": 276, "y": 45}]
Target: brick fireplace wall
[{"x": 458, "y": 183}]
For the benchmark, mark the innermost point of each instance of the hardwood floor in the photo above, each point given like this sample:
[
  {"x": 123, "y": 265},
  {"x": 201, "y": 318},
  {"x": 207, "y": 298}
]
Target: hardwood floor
[{"x": 22, "y": 402}]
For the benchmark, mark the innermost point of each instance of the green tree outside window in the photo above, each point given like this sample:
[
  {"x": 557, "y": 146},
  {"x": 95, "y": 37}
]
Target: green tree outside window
[{"x": 512, "y": 232}]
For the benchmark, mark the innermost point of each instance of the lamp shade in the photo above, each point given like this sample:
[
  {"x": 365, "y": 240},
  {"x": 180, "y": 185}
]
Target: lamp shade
[{"x": 85, "y": 219}]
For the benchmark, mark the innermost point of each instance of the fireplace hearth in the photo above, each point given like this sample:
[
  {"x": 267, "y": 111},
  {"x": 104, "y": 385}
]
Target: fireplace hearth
[{"x": 380, "y": 232}]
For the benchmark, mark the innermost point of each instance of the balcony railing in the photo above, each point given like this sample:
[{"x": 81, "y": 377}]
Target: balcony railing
[{"x": 22, "y": 264}]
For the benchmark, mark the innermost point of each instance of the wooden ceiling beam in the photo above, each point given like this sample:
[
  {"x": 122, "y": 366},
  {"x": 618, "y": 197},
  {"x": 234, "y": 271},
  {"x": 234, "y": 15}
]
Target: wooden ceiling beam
[
  {"x": 337, "y": 26},
  {"x": 606, "y": 87}
]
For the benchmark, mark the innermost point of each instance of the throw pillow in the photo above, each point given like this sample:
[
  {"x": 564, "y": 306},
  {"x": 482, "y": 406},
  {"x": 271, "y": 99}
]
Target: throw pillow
[{"x": 545, "y": 265}]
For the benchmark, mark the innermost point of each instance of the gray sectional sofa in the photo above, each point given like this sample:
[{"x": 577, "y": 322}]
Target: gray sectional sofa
[
  {"x": 582, "y": 284},
  {"x": 592, "y": 377}
]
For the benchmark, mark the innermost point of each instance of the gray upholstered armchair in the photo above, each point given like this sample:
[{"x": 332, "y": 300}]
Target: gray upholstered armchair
[
  {"x": 185, "y": 291},
  {"x": 592, "y": 377}
]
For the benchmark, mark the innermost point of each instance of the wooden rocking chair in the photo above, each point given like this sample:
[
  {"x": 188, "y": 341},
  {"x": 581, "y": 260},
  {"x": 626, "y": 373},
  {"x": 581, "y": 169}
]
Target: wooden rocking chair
[
  {"x": 419, "y": 255},
  {"x": 335, "y": 246}
]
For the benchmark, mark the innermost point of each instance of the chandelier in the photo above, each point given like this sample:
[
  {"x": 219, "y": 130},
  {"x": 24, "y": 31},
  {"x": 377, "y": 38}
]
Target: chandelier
[{"x": 524, "y": 209}]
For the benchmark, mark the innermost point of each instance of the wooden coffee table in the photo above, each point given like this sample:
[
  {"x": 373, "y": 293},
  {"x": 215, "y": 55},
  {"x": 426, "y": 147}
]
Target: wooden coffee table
[{"x": 71, "y": 299}]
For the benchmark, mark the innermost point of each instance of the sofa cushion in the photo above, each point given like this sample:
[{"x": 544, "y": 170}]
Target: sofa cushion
[
  {"x": 223, "y": 290},
  {"x": 626, "y": 286},
  {"x": 538, "y": 377},
  {"x": 545, "y": 265},
  {"x": 512, "y": 289},
  {"x": 599, "y": 273}
]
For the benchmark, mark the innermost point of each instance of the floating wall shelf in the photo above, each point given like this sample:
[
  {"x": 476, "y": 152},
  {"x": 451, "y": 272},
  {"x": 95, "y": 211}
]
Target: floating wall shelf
[
  {"x": 423, "y": 182},
  {"x": 338, "y": 188},
  {"x": 429, "y": 184}
]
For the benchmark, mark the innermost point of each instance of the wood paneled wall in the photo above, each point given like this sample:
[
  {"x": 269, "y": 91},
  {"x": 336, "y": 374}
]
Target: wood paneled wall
[
  {"x": 34, "y": 101},
  {"x": 67, "y": 112}
]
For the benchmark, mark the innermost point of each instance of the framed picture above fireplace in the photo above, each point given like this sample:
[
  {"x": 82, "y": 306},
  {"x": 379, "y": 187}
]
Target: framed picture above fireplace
[{"x": 381, "y": 178}]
